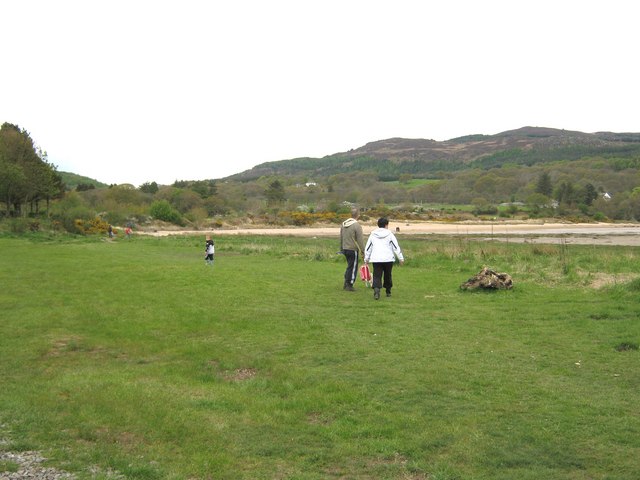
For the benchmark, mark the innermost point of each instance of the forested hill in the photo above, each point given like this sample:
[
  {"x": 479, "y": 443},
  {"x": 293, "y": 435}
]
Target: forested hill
[
  {"x": 74, "y": 181},
  {"x": 423, "y": 158}
]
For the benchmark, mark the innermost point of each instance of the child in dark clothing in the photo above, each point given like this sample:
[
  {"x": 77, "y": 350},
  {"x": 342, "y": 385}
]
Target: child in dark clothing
[{"x": 209, "y": 250}]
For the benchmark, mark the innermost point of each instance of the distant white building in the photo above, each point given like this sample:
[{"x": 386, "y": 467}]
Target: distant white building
[
  {"x": 310, "y": 184},
  {"x": 606, "y": 196}
]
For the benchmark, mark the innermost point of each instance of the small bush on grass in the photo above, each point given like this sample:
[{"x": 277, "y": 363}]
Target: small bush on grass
[
  {"x": 18, "y": 225},
  {"x": 91, "y": 227},
  {"x": 162, "y": 210}
]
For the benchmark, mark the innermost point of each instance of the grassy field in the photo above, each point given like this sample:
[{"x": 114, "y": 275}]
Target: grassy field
[{"x": 132, "y": 359}]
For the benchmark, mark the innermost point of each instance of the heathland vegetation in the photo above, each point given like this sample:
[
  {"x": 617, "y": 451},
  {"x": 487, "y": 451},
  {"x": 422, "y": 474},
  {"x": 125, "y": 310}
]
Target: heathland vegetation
[{"x": 525, "y": 173}]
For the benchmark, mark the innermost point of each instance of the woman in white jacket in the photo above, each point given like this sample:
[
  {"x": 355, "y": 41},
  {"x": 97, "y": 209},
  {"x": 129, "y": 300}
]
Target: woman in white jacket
[{"x": 381, "y": 249}]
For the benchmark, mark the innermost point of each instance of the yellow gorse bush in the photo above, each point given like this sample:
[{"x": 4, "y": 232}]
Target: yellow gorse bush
[{"x": 91, "y": 227}]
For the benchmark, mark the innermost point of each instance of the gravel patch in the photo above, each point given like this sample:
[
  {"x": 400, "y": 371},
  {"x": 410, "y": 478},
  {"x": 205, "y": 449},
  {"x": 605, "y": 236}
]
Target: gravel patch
[{"x": 30, "y": 466}]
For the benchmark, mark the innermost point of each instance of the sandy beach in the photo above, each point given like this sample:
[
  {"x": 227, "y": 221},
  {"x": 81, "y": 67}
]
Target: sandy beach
[{"x": 531, "y": 232}]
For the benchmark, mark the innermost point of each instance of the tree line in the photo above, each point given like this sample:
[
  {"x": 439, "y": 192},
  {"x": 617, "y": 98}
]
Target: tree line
[
  {"x": 589, "y": 189},
  {"x": 26, "y": 176}
]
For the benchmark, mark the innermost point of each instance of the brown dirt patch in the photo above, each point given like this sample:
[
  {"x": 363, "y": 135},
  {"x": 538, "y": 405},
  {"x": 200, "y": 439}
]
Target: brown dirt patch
[
  {"x": 241, "y": 374},
  {"x": 601, "y": 280}
]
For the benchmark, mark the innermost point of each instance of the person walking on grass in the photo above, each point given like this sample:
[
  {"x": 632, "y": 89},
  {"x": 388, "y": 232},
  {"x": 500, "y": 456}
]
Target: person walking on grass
[
  {"x": 382, "y": 249},
  {"x": 209, "y": 250},
  {"x": 351, "y": 243}
]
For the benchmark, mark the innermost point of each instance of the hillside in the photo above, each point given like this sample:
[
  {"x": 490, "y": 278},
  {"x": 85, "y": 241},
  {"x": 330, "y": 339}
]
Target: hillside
[
  {"x": 72, "y": 180},
  {"x": 524, "y": 173},
  {"x": 393, "y": 157}
]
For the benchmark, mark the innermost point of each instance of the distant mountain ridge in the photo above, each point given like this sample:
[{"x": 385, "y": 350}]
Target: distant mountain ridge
[{"x": 421, "y": 157}]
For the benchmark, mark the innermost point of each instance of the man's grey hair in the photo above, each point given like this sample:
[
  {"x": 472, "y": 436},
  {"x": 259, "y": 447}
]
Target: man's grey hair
[{"x": 355, "y": 212}]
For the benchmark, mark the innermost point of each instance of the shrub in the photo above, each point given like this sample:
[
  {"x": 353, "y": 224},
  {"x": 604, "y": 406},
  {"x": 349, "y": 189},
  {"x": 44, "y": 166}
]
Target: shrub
[
  {"x": 301, "y": 218},
  {"x": 196, "y": 215},
  {"x": 91, "y": 227},
  {"x": 162, "y": 210},
  {"x": 68, "y": 218},
  {"x": 18, "y": 225},
  {"x": 485, "y": 209},
  {"x": 67, "y": 210}
]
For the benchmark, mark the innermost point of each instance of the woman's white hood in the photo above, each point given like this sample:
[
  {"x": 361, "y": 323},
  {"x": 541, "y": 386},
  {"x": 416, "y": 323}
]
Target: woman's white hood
[
  {"x": 382, "y": 246},
  {"x": 381, "y": 233}
]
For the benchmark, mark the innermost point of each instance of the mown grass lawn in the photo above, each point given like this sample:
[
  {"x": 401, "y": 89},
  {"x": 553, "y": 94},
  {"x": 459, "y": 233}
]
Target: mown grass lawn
[{"x": 133, "y": 358}]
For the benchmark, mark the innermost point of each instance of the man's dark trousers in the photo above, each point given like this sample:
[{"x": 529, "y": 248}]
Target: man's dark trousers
[{"x": 351, "y": 272}]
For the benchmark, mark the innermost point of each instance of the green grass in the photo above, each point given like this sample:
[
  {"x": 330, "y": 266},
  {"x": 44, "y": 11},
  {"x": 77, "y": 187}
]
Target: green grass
[
  {"x": 134, "y": 357},
  {"x": 8, "y": 466},
  {"x": 414, "y": 182}
]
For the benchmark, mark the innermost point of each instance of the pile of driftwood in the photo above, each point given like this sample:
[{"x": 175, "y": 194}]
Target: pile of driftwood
[{"x": 488, "y": 279}]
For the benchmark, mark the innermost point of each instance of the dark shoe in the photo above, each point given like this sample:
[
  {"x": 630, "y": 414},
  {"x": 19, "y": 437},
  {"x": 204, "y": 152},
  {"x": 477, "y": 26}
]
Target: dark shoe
[
  {"x": 388, "y": 294},
  {"x": 376, "y": 293},
  {"x": 349, "y": 288}
]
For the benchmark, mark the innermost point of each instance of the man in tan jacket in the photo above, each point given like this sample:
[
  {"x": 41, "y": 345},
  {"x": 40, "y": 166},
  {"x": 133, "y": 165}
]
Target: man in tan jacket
[{"x": 351, "y": 242}]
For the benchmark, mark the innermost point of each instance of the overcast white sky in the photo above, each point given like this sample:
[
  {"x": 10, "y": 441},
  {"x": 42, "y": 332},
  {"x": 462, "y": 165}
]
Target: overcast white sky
[{"x": 130, "y": 91}]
